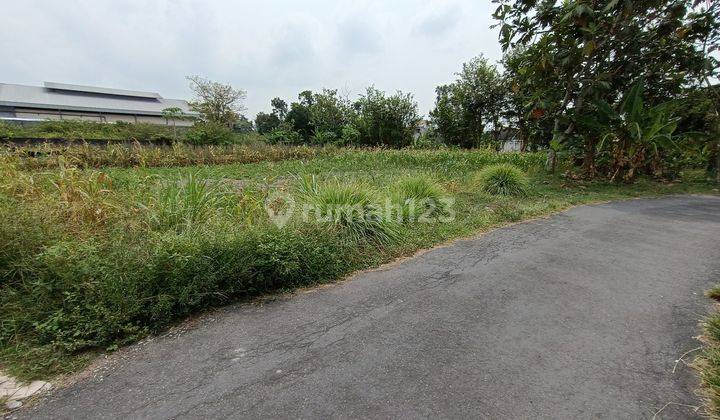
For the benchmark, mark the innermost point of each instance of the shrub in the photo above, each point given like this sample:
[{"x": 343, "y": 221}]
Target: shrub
[
  {"x": 418, "y": 197},
  {"x": 179, "y": 205},
  {"x": 324, "y": 137},
  {"x": 203, "y": 133},
  {"x": 503, "y": 179},
  {"x": 694, "y": 175},
  {"x": 6, "y": 130},
  {"x": 350, "y": 135},
  {"x": 352, "y": 209},
  {"x": 282, "y": 136}
]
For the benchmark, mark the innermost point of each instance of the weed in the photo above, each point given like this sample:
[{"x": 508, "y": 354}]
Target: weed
[
  {"x": 352, "y": 208},
  {"x": 503, "y": 179},
  {"x": 417, "y": 197}
]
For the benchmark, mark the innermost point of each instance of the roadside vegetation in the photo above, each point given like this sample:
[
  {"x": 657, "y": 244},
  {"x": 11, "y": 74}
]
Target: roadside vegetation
[
  {"x": 94, "y": 259},
  {"x": 48, "y": 156},
  {"x": 103, "y": 245},
  {"x": 707, "y": 363}
]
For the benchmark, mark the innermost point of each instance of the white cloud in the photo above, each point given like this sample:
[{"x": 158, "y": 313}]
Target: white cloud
[{"x": 273, "y": 48}]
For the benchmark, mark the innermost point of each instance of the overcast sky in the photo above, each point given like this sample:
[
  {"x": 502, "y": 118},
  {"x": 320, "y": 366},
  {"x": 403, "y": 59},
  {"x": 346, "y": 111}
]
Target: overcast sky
[{"x": 269, "y": 48}]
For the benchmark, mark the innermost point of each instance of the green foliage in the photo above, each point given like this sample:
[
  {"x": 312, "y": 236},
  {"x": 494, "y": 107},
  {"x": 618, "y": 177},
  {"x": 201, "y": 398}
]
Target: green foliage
[
  {"x": 350, "y": 135},
  {"x": 353, "y": 209},
  {"x": 707, "y": 363},
  {"x": 217, "y": 103},
  {"x": 417, "y": 197},
  {"x": 205, "y": 133},
  {"x": 6, "y": 130},
  {"x": 282, "y": 135},
  {"x": 503, "y": 179},
  {"x": 637, "y": 136},
  {"x": 245, "y": 149},
  {"x": 89, "y": 130},
  {"x": 266, "y": 123},
  {"x": 330, "y": 113},
  {"x": 386, "y": 120},
  {"x": 299, "y": 115},
  {"x": 324, "y": 137},
  {"x": 328, "y": 118},
  {"x": 186, "y": 203},
  {"x": 464, "y": 108},
  {"x": 171, "y": 241},
  {"x": 714, "y": 294},
  {"x": 562, "y": 57}
]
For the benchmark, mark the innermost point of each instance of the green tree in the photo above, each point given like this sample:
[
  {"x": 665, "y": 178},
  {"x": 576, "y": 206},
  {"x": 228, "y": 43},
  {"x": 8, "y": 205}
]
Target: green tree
[
  {"x": 216, "y": 102},
  {"x": 243, "y": 125},
  {"x": 466, "y": 107},
  {"x": 599, "y": 49},
  {"x": 279, "y": 108},
  {"x": 173, "y": 114},
  {"x": 299, "y": 115},
  {"x": 386, "y": 120},
  {"x": 329, "y": 113},
  {"x": 266, "y": 123}
]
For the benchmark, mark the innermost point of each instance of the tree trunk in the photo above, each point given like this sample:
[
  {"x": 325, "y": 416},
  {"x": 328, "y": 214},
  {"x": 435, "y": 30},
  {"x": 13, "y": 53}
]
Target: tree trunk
[{"x": 589, "y": 157}]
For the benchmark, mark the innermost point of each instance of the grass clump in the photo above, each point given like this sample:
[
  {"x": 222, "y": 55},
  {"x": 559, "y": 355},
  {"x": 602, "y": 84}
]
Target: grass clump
[
  {"x": 185, "y": 203},
  {"x": 503, "y": 179},
  {"x": 91, "y": 259},
  {"x": 714, "y": 293},
  {"x": 419, "y": 197},
  {"x": 351, "y": 208},
  {"x": 707, "y": 363}
]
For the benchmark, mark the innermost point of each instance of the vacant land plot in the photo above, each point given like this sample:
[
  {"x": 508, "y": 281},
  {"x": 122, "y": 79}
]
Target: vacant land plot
[{"x": 93, "y": 259}]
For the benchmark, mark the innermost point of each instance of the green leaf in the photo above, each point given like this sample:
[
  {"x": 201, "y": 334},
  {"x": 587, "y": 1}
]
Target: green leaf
[{"x": 611, "y": 5}]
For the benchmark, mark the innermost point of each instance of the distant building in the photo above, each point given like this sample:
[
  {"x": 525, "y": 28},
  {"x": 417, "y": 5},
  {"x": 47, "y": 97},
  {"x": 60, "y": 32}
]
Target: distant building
[{"x": 59, "y": 101}]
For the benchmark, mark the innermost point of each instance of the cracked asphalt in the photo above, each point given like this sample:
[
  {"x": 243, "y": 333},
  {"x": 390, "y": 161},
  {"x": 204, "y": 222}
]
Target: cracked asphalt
[{"x": 581, "y": 315}]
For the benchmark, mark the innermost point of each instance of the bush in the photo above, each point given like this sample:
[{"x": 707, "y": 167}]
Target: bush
[
  {"x": 181, "y": 205},
  {"x": 324, "y": 137},
  {"x": 281, "y": 136},
  {"x": 386, "y": 120},
  {"x": 503, "y": 179},
  {"x": 6, "y": 130},
  {"x": 352, "y": 209},
  {"x": 204, "y": 133},
  {"x": 694, "y": 175},
  {"x": 350, "y": 135},
  {"x": 418, "y": 197}
]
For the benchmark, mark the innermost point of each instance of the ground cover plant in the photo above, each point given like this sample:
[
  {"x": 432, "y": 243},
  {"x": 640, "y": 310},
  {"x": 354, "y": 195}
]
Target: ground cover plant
[
  {"x": 91, "y": 259},
  {"x": 48, "y": 156},
  {"x": 707, "y": 363}
]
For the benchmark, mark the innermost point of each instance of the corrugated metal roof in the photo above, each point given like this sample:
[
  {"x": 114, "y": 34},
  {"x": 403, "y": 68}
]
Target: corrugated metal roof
[
  {"x": 101, "y": 90},
  {"x": 89, "y": 100}
]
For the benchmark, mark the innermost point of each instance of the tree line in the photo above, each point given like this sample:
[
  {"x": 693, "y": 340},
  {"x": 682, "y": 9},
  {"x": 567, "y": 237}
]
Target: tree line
[{"x": 618, "y": 88}]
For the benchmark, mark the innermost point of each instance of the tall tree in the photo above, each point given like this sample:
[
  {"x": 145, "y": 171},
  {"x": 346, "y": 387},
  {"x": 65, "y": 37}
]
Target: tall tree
[
  {"x": 216, "y": 102},
  {"x": 386, "y": 120},
  {"x": 299, "y": 115},
  {"x": 599, "y": 49},
  {"x": 466, "y": 107}
]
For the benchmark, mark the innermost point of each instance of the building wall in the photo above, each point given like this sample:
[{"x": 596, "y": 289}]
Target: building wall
[{"x": 38, "y": 114}]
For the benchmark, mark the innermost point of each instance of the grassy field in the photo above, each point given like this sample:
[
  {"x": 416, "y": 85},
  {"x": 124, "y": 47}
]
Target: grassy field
[{"x": 94, "y": 259}]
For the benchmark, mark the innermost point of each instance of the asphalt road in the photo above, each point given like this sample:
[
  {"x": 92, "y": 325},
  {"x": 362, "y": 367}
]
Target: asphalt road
[{"x": 578, "y": 316}]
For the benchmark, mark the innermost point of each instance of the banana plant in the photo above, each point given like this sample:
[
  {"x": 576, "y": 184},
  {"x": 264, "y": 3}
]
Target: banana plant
[{"x": 637, "y": 134}]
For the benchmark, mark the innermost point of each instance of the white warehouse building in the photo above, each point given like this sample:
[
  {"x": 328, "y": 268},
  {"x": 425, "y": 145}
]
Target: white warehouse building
[{"x": 60, "y": 101}]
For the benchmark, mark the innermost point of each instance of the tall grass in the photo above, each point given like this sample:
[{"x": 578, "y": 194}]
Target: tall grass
[
  {"x": 47, "y": 156},
  {"x": 707, "y": 363},
  {"x": 417, "y": 197},
  {"x": 352, "y": 208},
  {"x": 93, "y": 259},
  {"x": 185, "y": 203},
  {"x": 503, "y": 179}
]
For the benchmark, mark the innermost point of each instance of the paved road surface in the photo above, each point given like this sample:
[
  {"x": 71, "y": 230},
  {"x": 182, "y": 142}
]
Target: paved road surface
[{"x": 577, "y": 316}]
